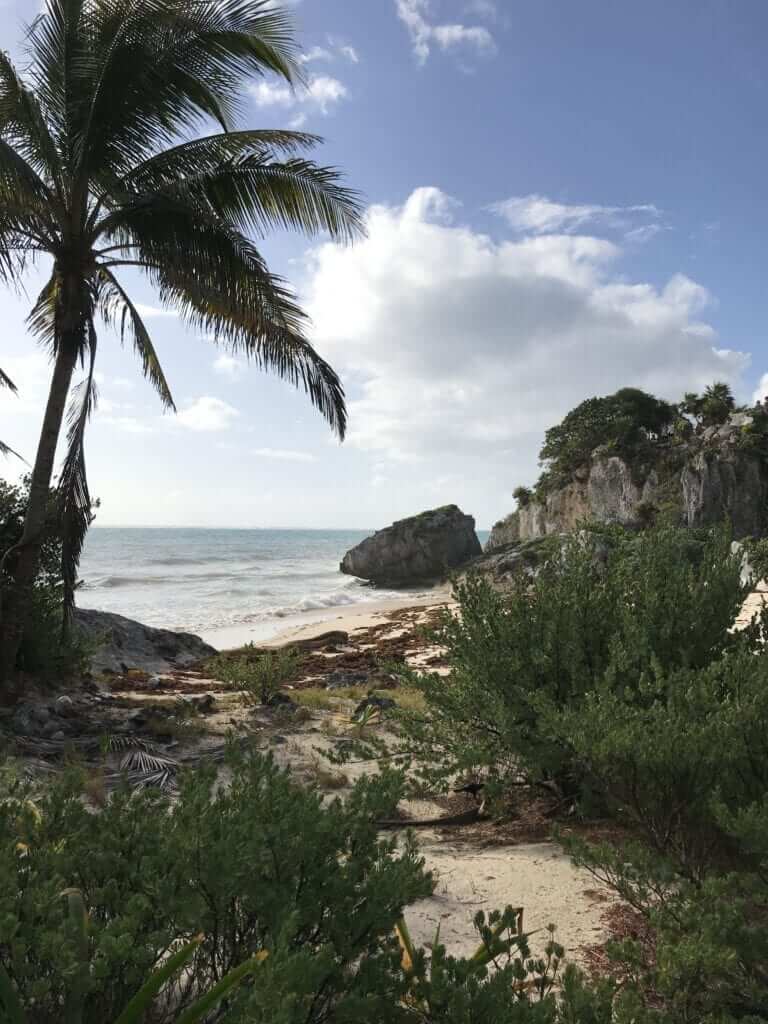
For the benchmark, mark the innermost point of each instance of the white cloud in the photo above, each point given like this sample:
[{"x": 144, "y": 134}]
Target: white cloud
[
  {"x": 207, "y": 414},
  {"x": 316, "y": 53},
  {"x": 464, "y": 348},
  {"x": 761, "y": 391},
  {"x": 539, "y": 215},
  {"x": 415, "y": 16},
  {"x": 147, "y": 312},
  {"x": 228, "y": 366},
  {"x": 321, "y": 93},
  {"x": 330, "y": 53},
  {"x": 284, "y": 454}
]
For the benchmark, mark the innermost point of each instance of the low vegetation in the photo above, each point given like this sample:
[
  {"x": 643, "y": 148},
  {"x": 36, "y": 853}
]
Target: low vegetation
[
  {"x": 282, "y": 908},
  {"x": 616, "y": 682}
]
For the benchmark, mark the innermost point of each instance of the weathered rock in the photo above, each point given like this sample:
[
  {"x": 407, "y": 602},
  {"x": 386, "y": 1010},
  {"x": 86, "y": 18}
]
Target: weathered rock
[
  {"x": 422, "y": 549},
  {"x": 122, "y": 644},
  {"x": 710, "y": 479},
  {"x": 731, "y": 485},
  {"x": 505, "y": 532}
]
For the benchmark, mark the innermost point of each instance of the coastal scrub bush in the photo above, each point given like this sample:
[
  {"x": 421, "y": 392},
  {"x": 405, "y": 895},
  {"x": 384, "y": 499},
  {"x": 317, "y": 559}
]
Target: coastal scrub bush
[
  {"x": 610, "y": 612},
  {"x": 259, "y": 674},
  {"x": 44, "y": 651},
  {"x": 617, "y": 678},
  {"x": 258, "y": 877},
  {"x": 260, "y": 865}
]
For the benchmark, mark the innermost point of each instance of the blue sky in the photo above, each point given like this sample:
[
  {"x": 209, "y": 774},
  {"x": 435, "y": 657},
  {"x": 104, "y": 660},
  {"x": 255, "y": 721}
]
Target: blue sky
[{"x": 565, "y": 198}]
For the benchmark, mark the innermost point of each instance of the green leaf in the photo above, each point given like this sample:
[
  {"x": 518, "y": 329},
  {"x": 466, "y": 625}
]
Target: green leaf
[{"x": 134, "y": 1011}]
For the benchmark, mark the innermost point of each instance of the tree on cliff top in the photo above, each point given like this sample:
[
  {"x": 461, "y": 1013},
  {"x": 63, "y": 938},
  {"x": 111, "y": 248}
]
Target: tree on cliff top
[
  {"x": 621, "y": 420},
  {"x": 98, "y": 173}
]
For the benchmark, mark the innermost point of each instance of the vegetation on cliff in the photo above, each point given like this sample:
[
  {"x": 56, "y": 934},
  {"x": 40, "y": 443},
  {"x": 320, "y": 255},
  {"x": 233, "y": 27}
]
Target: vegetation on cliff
[{"x": 644, "y": 431}]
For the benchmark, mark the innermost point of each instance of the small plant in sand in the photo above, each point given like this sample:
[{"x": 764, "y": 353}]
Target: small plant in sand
[{"x": 257, "y": 674}]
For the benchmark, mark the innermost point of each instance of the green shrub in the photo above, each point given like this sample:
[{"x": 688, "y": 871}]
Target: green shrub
[
  {"x": 608, "y": 610},
  {"x": 259, "y": 674},
  {"x": 617, "y": 676},
  {"x": 258, "y": 876},
  {"x": 44, "y": 652}
]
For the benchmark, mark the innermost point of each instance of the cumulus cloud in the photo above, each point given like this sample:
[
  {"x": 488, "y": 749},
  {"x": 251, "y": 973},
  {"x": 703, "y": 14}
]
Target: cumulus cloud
[
  {"x": 415, "y": 15},
  {"x": 207, "y": 414},
  {"x": 540, "y": 215},
  {"x": 458, "y": 346},
  {"x": 320, "y": 94}
]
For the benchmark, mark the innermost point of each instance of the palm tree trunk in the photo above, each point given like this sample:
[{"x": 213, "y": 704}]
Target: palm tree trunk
[{"x": 21, "y": 562}]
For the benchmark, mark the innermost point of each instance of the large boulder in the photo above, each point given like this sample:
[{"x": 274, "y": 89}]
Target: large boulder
[
  {"x": 120, "y": 644},
  {"x": 422, "y": 549}
]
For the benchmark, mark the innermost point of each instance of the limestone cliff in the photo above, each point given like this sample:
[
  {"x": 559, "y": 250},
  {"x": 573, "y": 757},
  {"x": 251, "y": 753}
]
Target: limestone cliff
[{"x": 701, "y": 482}]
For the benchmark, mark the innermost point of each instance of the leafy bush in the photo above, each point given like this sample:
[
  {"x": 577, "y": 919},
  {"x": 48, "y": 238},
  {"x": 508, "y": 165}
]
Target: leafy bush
[
  {"x": 522, "y": 496},
  {"x": 44, "y": 651},
  {"x": 617, "y": 676},
  {"x": 259, "y": 674},
  {"x": 611, "y": 610},
  {"x": 260, "y": 876}
]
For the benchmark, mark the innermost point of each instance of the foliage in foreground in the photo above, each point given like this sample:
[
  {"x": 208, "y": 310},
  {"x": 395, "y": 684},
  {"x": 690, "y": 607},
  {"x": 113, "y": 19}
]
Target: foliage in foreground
[
  {"x": 616, "y": 679},
  {"x": 262, "y": 878}
]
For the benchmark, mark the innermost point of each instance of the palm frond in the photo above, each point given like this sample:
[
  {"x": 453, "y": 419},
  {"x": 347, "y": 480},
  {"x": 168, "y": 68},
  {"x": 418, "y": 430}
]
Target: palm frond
[
  {"x": 206, "y": 154},
  {"x": 74, "y": 497},
  {"x": 118, "y": 743},
  {"x": 23, "y": 125},
  {"x": 41, "y": 319},
  {"x": 139, "y": 760},
  {"x": 6, "y": 382},
  {"x": 119, "y": 312},
  {"x": 6, "y": 450},
  {"x": 220, "y": 285},
  {"x": 162, "y": 67},
  {"x": 253, "y": 194}
]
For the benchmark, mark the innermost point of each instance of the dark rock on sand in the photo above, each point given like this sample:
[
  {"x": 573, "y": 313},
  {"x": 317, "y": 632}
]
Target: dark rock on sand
[
  {"x": 422, "y": 549},
  {"x": 122, "y": 644}
]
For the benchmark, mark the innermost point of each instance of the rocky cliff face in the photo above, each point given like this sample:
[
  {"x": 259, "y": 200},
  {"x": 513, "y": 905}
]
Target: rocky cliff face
[
  {"x": 416, "y": 550},
  {"x": 713, "y": 479}
]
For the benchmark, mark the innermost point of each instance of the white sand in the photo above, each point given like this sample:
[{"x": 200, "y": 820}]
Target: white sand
[{"x": 348, "y": 618}]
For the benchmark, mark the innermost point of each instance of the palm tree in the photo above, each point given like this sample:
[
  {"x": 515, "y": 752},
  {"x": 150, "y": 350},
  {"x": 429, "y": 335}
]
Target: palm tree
[{"x": 117, "y": 149}]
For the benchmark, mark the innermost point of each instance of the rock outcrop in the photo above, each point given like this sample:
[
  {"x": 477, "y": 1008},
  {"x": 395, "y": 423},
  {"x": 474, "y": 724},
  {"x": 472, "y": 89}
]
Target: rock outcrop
[
  {"x": 421, "y": 549},
  {"x": 706, "y": 480},
  {"x": 121, "y": 644}
]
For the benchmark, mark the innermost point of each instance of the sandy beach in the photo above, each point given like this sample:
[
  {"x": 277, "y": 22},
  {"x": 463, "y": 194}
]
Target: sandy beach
[{"x": 349, "y": 618}]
